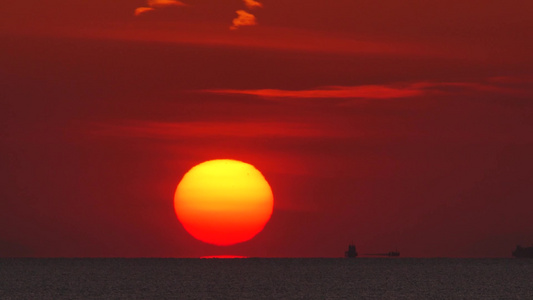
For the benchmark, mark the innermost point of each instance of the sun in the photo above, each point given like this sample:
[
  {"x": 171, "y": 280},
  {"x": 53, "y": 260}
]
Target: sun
[{"x": 223, "y": 202}]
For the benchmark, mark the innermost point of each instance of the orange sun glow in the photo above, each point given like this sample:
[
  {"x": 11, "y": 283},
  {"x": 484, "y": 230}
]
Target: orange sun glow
[{"x": 223, "y": 202}]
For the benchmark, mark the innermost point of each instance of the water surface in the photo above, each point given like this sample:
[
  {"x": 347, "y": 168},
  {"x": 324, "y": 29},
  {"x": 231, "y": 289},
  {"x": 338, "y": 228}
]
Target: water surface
[{"x": 252, "y": 278}]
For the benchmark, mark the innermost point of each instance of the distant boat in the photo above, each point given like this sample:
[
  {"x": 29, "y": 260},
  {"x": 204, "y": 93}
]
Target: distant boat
[
  {"x": 352, "y": 252},
  {"x": 523, "y": 252},
  {"x": 389, "y": 254},
  {"x": 394, "y": 253}
]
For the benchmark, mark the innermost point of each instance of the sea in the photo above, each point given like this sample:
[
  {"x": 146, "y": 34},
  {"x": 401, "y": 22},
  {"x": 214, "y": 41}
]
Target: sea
[{"x": 266, "y": 278}]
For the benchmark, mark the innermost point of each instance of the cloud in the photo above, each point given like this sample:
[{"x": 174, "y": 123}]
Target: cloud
[
  {"x": 395, "y": 91},
  {"x": 141, "y": 10},
  {"x": 243, "y": 19},
  {"x": 153, "y": 4},
  {"x": 252, "y": 4},
  {"x": 364, "y": 91},
  {"x": 164, "y": 3}
]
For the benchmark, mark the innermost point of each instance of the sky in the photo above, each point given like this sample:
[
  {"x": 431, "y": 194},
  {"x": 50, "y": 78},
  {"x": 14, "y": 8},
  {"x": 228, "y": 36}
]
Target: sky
[{"x": 392, "y": 124}]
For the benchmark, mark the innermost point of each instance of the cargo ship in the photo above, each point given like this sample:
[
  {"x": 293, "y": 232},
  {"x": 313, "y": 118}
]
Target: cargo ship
[
  {"x": 393, "y": 253},
  {"x": 523, "y": 252},
  {"x": 352, "y": 252},
  {"x": 389, "y": 254}
]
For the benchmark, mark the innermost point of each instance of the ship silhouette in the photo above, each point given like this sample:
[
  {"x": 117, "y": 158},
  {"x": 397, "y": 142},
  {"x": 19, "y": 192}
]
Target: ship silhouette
[
  {"x": 389, "y": 254},
  {"x": 352, "y": 252},
  {"x": 523, "y": 252}
]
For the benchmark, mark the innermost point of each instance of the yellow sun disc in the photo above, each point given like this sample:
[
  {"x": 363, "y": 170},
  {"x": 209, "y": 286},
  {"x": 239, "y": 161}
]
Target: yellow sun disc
[{"x": 223, "y": 201}]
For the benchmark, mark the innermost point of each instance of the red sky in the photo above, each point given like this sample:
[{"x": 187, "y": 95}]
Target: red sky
[{"x": 393, "y": 124}]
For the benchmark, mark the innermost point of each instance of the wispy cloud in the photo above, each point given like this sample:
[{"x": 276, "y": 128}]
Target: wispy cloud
[
  {"x": 252, "y": 4},
  {"x": 153, "y": 4},
  {"x": 492, "y": 86},
  {"x": 141, "y": 10},
  {"x": 164, "y": 3},
  {"x": 243, "y": 19},
  {"x": 365, "y": 91}
]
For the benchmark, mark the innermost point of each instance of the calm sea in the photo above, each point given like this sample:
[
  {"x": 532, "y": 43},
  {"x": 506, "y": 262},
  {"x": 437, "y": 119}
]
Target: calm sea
[{"x": 270, "y": 278}]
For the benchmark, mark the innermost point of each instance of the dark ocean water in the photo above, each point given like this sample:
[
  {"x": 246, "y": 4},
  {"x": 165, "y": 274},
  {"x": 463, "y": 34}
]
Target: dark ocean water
[{"x": 270, "y": 278}]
